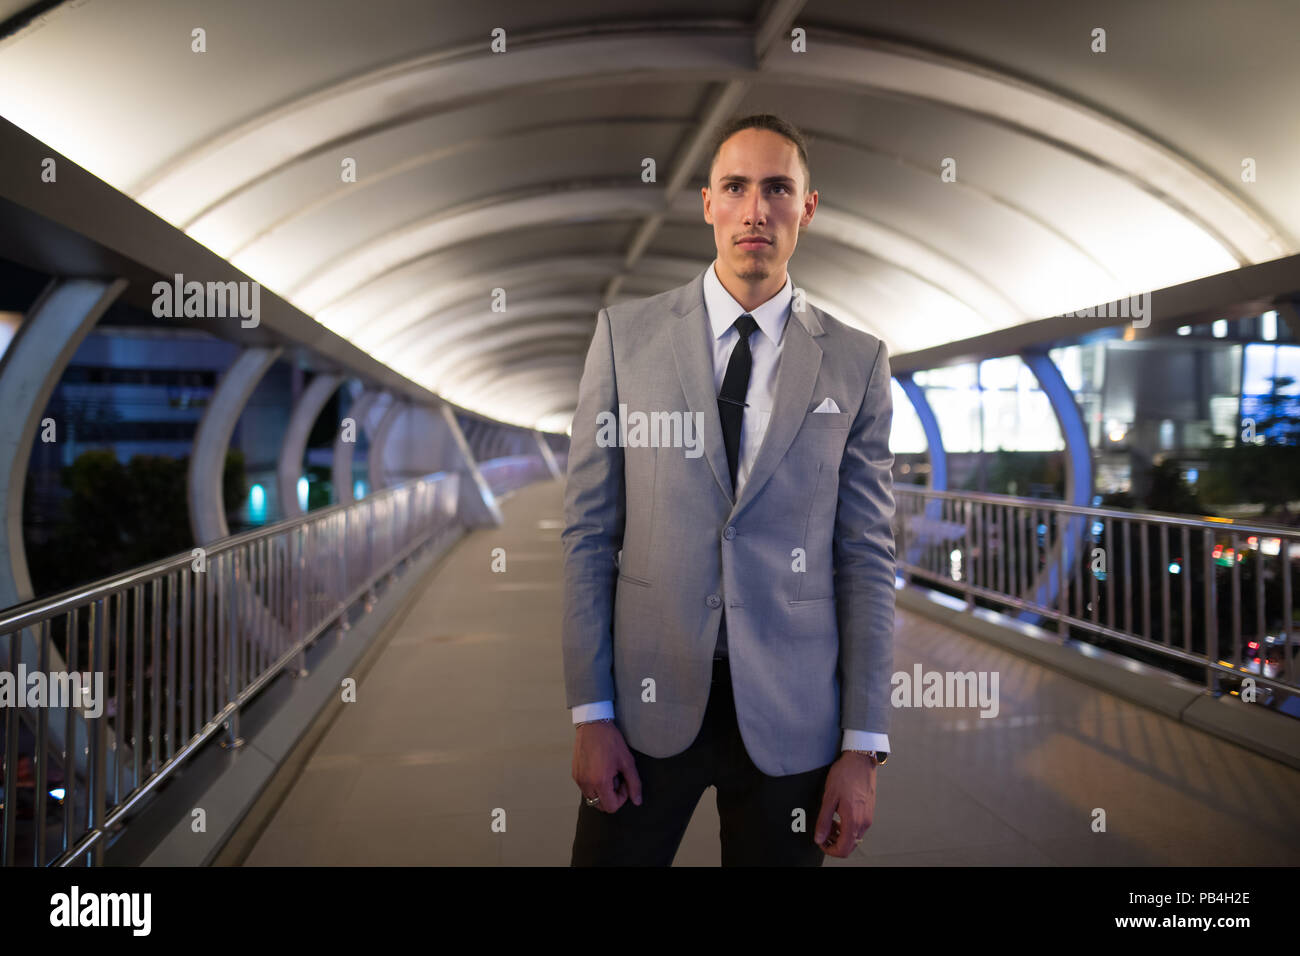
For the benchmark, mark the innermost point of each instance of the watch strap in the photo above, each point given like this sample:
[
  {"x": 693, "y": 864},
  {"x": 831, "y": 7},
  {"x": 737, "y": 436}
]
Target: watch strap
[{"x": 880, "y": 756}]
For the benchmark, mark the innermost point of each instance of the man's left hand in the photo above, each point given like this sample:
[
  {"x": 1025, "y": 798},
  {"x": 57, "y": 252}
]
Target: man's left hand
[{"x": 850, "y": 791}]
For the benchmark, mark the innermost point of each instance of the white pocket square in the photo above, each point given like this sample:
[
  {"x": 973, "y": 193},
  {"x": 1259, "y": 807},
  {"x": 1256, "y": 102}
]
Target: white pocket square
[{"x": 827, "y": 405}]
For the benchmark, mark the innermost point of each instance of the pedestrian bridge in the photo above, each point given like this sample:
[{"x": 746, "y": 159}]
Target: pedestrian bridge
[
  {"x": 355, "y": 254},
  {"x": 399, "y": 701}
]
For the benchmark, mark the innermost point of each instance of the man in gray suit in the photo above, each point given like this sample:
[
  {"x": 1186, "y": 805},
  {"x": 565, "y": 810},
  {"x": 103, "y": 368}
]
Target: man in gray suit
[{"x": 729, "y": 561}]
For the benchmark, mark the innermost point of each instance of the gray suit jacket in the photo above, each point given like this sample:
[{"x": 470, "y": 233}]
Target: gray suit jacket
[{"x": 810, "y": 638}]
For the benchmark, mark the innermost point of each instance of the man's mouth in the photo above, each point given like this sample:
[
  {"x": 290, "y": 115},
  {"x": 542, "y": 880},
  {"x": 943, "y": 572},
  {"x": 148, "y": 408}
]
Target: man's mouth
[{"x": 754, "y": 243}]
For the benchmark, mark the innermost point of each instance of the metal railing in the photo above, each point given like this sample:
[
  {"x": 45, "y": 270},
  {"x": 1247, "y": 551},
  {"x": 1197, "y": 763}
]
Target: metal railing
[
  {"x": 181, "y": 645},
  {"x": 506, "y": 474},
  {"x": 1216, "y": 596}
]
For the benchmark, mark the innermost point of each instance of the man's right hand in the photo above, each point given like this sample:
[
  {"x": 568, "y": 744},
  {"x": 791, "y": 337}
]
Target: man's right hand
[{"x": 600, "y": 756}]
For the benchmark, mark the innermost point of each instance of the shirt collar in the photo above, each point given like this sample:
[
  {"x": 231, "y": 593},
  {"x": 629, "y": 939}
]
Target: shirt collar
[{"x": 724, "y": 310}]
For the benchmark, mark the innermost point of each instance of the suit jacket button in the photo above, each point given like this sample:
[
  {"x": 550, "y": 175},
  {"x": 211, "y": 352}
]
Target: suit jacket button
[
  {"x": 713, "y": 601},
  {"x": 730, "y": 532}
]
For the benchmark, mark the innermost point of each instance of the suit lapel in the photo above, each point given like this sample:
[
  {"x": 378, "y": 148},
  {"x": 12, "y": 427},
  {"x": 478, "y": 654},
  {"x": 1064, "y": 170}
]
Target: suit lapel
[
  {"x": 693, "y": 353},
  {"x": 796, "y": 376}
]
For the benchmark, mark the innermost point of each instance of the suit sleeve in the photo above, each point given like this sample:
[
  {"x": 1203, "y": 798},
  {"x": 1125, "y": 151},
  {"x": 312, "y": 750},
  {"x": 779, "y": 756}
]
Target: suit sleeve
[
  {"x": 864, "y": 559},
  {"x": 594, "y": 509}
]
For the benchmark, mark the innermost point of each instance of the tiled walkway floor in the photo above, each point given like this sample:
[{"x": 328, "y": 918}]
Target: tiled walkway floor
[{"x": 462, "y": 721}]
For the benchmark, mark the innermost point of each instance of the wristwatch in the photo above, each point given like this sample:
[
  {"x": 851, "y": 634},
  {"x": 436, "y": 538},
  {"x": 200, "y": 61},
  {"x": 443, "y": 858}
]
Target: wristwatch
[{"x": 880, "y": 755}]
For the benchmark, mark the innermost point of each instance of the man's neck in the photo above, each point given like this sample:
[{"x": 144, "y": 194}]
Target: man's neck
[{"x": 750, "y": 295}]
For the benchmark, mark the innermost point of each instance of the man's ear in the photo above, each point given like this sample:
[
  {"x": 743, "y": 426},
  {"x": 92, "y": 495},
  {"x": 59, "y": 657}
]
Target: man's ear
[{"x": 815, "y": 198}]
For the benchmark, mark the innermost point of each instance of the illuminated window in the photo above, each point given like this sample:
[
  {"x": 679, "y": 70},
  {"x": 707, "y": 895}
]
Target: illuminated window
[
  {"x": 1268, "y": 326},
  {"x": 1270, "y": 390},
  {"x": 995, "y": 404},
  {"x": 906, "y": 437}
]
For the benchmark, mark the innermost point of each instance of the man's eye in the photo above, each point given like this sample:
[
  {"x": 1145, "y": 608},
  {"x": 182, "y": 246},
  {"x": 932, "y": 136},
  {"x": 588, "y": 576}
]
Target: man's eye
[{"x": 781, "y": 186}]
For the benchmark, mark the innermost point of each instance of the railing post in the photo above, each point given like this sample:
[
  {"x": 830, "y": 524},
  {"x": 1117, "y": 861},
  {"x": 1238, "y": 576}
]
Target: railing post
[
  {"x": 1062, "y": 578},
  {"x": 901, "y": 544},
  {"x": 231, "y": 579},
  {"x": 1211, "y": 616},
  {"x": 967, "y": 563},
  {"x": 299, "y": 602},
  {"x": 370, "y": 557},
  {"x": 42, "y": 754},
  {"x": 9, "y": 842},
  {"x": 345, "y": 587},
  {"x": 98, "y": 744}
]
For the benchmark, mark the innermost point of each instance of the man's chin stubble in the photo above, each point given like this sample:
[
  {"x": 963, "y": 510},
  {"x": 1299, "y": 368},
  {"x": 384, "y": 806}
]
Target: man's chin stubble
[{"x": 753, "y": 271}]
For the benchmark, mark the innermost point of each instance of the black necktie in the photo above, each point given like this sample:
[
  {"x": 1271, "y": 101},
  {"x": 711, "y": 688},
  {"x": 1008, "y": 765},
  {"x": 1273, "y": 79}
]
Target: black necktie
[{"x": 731, "y": 400}]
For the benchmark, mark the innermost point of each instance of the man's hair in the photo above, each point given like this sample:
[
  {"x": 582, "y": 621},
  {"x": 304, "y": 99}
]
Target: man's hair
[{"x": 766, "y": 121}]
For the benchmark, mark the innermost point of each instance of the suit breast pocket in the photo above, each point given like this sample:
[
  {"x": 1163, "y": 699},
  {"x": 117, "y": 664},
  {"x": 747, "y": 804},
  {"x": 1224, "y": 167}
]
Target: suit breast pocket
[
  {"x": 822, "y": 437},
  {"x": 828, "y": 420}
]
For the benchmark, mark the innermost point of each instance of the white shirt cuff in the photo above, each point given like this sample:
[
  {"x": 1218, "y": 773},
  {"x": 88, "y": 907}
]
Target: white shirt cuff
[
  {"x": 600, "y": 710},
  {"x": 865, "y": 740}
]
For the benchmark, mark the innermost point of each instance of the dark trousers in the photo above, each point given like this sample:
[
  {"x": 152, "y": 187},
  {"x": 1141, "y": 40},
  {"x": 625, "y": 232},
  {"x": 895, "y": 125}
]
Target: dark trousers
[{"x": 757, "y": 812}]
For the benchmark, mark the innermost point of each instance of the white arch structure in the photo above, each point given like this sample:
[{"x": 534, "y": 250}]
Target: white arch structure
[{"x": 402, "y": 293}]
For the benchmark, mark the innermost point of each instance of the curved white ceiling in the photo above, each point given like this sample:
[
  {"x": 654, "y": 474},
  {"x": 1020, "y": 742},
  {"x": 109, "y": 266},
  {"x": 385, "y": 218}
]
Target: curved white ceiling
[{"x": 1081, "y": 176}]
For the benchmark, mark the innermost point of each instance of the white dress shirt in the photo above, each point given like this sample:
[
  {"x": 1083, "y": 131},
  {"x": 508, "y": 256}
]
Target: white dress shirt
[{"x": 765, "y": 350}]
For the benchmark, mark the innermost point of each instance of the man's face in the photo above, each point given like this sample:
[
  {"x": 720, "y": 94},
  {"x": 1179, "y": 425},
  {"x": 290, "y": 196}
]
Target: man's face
[{"x": 757, "y": 190}]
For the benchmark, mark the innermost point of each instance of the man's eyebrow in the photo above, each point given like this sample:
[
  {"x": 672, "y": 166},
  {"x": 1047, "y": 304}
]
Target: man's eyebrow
[{"x": 736, "y": 178}]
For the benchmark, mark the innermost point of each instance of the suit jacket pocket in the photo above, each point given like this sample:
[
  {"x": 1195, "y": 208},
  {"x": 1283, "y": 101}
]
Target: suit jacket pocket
[
  {"x": 828, "y": 420},
  {"x": 816, "y": 589},
  {"x": 641, "y": 491}
]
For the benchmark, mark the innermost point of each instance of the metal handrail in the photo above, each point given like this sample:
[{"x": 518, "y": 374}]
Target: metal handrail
[
  {"x": 1160, "y": 516},
  {"x": 222, "y": 622},
  {"x": 33, "y": 612},
  {"x": 512, "y": 471},
  {"x": 1176, "y": 592}
]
